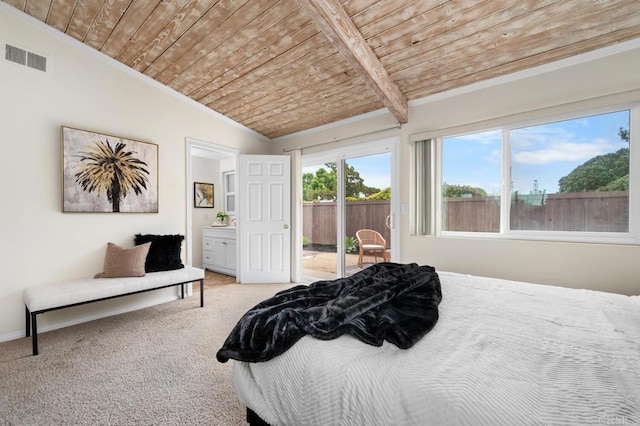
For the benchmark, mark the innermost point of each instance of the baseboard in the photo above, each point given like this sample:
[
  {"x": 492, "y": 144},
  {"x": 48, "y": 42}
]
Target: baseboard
[{"x": 14, "y": 335}]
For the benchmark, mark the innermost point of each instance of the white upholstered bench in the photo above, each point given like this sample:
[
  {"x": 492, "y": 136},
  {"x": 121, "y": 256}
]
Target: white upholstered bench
[{"x": 51, "y": 297}]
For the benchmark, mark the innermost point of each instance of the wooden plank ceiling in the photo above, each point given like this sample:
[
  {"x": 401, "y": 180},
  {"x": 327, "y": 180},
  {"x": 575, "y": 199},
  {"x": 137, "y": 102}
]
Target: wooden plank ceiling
[{"x": 282, "y": 66}]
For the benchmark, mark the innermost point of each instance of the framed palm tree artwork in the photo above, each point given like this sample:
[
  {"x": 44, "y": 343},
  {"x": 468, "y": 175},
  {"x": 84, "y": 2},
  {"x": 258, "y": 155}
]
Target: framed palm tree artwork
[{"x": 103, "y": 173}]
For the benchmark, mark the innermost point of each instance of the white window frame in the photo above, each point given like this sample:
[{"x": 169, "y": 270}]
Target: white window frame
[
  {"x": 630, "y": 237},
  {"x": 226, "y": 192}
]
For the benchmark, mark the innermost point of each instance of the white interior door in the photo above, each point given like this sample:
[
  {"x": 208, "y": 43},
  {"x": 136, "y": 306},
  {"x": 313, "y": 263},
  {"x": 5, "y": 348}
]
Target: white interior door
[{"x": 264, "y": 211}]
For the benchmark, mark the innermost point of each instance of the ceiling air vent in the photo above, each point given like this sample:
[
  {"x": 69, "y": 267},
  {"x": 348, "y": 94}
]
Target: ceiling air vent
[{"x": 24, "y": 57}]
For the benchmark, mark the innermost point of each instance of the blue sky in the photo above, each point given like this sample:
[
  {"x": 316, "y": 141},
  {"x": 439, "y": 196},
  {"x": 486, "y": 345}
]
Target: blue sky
[
  {"x": 544, "y": 153},
  {"x": 374, "y": 169}
]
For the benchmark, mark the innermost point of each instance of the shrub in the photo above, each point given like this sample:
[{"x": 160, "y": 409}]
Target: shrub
[{"x": 350, "y": 244}]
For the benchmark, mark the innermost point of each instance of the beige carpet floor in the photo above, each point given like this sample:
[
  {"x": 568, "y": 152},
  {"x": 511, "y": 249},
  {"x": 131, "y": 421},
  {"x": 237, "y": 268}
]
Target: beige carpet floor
[{"x": 154, "y": 366}]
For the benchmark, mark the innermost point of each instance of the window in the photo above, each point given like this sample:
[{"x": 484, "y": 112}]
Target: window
[
  {"x": 571, "y": 175},
  {"x": 471, "y": 174},
  {"x": 564, "y": 179},
  {"x": 229, "y": 179}
]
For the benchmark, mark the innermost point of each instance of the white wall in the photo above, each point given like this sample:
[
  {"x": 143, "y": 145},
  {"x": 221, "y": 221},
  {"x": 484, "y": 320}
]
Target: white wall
[
  {"x": 41, "y": 245},
  {"x": 207, "y": 171},
  {"x": 583, "y": 81}
]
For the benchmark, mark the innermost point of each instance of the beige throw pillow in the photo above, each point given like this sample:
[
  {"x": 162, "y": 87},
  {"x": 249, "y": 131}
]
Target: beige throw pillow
[{"x": 124, "y": 262}]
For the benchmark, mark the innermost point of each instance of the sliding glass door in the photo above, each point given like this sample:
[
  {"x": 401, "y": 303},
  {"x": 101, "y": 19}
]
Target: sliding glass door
[
  {"x": 347, "y": 210},
  {"x": 367, "y": 230},
  {"x": 319, "y": 221}
]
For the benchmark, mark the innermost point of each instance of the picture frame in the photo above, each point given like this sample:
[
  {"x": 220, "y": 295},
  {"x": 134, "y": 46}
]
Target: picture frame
[
  {"x": 89, "y": 183},
  {"x": 203, "y": 195}
]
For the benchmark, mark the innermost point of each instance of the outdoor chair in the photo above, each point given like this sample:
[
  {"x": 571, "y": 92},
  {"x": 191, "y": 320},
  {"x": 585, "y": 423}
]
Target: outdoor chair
[{"x": 371, "y": 243}]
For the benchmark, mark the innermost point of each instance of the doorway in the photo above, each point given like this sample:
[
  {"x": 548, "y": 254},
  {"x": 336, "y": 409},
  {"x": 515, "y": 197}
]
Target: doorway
[
  {"x": 206, "y": 162},
  {"x": 346, "y": 191}
]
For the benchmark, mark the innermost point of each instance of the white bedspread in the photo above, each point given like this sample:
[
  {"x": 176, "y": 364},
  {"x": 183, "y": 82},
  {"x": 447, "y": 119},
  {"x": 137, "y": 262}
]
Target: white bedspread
[{"x": 502, "y": 353}]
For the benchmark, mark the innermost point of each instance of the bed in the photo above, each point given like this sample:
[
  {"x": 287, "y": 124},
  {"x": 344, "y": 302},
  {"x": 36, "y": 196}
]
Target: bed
[{"x": 501, "y": 353}]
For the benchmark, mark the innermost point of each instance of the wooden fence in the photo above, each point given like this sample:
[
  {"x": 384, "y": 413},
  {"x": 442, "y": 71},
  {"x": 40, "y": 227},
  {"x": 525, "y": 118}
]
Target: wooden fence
[
  {"x": 319, "y": 220},
  {"x": 584, "y": 211}
]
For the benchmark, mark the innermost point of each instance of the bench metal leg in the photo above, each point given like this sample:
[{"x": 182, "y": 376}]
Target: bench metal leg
[
  {"x": 181, "y": 291},
  {"x": 28, "y": 321},
  {"x": 34, "y": 333},
  {"x": 202, "y": 293}
]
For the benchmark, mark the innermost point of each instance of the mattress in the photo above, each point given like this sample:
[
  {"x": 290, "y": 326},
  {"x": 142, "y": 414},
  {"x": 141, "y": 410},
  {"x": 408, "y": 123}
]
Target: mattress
[{"x": 502, "y": 352}]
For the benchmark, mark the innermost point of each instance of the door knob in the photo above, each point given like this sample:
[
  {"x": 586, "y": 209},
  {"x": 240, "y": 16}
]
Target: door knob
[{"x": 286, "y": 226}]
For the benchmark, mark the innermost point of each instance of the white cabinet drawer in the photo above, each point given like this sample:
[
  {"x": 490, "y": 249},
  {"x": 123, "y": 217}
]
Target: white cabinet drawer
[
  {"x": 208, "y": 244},
  {"x": 219, "y": 232},
  {"x": 208, "y": 257}
]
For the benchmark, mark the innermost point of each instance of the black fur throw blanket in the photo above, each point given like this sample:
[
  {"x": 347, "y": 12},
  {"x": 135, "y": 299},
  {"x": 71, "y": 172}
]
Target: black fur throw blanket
[{"x": 387, "y": 301}]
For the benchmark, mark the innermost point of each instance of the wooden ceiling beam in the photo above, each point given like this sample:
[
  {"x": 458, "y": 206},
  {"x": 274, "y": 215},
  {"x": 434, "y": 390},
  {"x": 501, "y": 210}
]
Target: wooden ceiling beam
[{"x": 336, "y": 24}]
